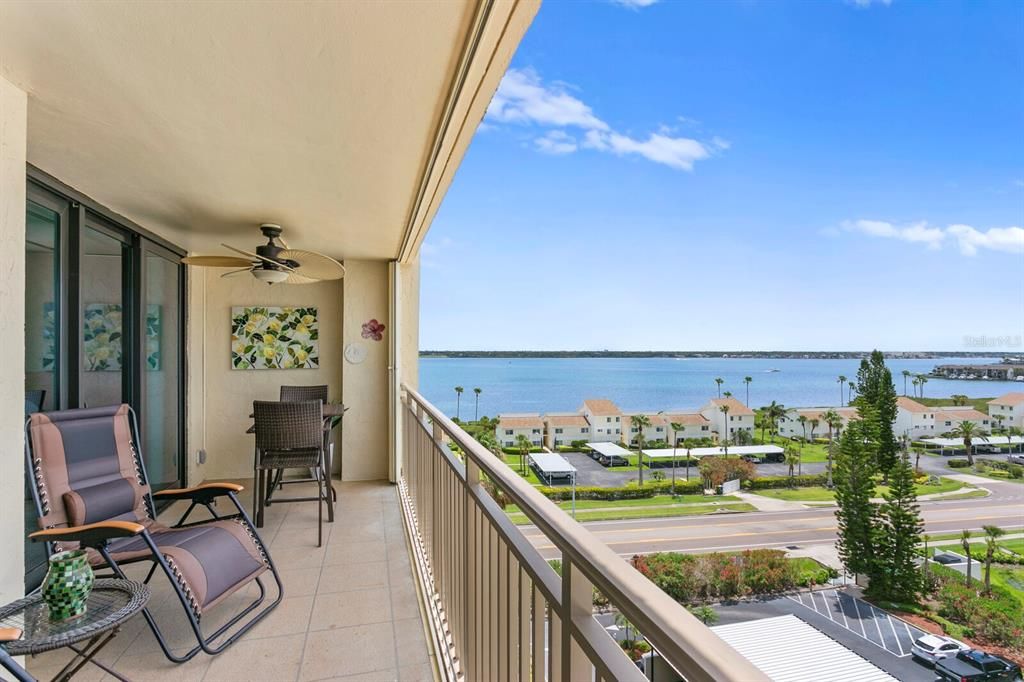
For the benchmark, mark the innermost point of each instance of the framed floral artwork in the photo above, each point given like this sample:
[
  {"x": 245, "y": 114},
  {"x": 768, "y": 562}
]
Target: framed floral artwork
[
  {"x": 274, "y": 338},
  {"x": 102, "y": 337}
]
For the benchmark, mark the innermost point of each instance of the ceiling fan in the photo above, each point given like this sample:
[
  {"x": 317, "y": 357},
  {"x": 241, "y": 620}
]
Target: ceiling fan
[{"x": 274, "y": 262}]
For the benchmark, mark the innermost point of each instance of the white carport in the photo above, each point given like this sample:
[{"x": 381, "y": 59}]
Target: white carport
[
  {"x": 609, "y": 450},
  {"x": 737, "y": 450},
  {"x": 958, "y": 443},
  {"x": 808, "y": 654}
]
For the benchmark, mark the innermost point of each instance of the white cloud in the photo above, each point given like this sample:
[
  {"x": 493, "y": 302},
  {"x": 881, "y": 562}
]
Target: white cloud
[
  {"x": 523, "y": 98},
  {"x": 675, "y": 152},
  {"x": 556, "y": 142},
  {"x": 634, "y": 4},
  {"x": 1008, "y": 239},
  {"x": 969, "y": 239},
  {"x": 864, "y": 4}
]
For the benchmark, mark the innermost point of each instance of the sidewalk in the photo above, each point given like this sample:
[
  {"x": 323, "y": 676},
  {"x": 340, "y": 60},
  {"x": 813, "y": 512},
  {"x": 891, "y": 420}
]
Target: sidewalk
[{"x": 762, "y": 503}]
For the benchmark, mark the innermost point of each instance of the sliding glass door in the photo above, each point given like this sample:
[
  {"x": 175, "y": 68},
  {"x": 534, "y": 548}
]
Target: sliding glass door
[{"x": 104, "y": 323}]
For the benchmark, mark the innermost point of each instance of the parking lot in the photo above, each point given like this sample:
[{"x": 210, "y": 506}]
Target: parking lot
[{"x": 869, "y": 632}]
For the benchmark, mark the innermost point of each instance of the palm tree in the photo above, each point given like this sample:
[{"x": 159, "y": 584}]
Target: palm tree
[
  {"x": 476, "y": 409},
  {"x": 959, "y": 399},
  {"x": 792, "y": 459},
  {"x": 724, "y": 409},
  {"x": 992, "y": 533},
  {"x": 676, "y": 428},
  {"x": 727, "y": 394},
  {"x": 965, "y": 542},
  {"x": 640, "y": 421},
  {"x": 1010, "y": 433},
  {"x": 968, "y": 431},
  {"x": 458, "y": 399},
  {"x": 747, "y": 380},
  {"x": 524, "y": 445},
  {"x": 851, "y": 388},
  {"x": 719, "y": 381},
  {"x": 803, "y": 424},
  {"x": 906, "y": 374},
  {"x": 922, "y": 380},
  {"x": 916, "y": 382},
  {"x": 814, "y": 427},
  {"x": 773, "y": 413},
  {"x": 841, "y": 380}
]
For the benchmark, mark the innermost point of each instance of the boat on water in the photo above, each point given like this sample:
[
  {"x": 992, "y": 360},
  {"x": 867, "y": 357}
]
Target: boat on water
[{"x": 773, "y": 369}]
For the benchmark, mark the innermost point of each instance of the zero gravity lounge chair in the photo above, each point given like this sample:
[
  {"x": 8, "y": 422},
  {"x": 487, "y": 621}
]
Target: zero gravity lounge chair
[{"x": 91, "y": 491}]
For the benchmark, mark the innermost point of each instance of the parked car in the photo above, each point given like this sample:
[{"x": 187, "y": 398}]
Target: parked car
[
  {"x": 975, "y": 666},
  {"x": 1016, "y": 459},
  {"x": 753, "y": 459},
  {"x": 932, "y": 648},
  {"x": 613, "y": 461},
  {"x": 776, "y": 457}
]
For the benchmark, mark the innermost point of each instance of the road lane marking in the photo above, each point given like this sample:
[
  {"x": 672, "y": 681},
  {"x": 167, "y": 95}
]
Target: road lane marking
[
  {"x": 860, "y": 617},
  {"x": 895, "y": 636}
]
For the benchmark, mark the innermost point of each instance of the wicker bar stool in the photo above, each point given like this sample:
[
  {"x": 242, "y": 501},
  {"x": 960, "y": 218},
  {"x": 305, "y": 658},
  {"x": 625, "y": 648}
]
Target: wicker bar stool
[
  {"x": 289, "y": 435},
  {"x": 297, "y": 394}
]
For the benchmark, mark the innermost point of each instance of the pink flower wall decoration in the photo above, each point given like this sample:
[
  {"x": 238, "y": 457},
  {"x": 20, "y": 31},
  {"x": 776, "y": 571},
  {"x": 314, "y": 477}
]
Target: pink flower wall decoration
[{"x": 373, "y": 330}]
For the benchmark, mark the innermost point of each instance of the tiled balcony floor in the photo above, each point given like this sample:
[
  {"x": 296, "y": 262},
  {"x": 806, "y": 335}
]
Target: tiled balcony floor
[{"x": 350, "y": 610}]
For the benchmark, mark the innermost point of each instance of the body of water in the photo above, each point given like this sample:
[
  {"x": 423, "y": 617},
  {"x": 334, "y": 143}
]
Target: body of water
[{"x": 653, "y": 384}]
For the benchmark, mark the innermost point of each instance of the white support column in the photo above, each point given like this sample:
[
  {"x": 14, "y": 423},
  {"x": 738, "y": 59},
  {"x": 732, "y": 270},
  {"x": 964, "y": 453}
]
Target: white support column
[{"x": 13, "y": 144}]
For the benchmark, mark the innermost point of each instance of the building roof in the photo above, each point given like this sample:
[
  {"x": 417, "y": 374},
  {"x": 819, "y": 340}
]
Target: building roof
[
  {"x": 1014, "y": 398},
  {"x": 809, "y": 655},
  {"x": 551, "y": 463},
  {"x": 520, "y": 421},
  {"x": 687, "y": 419},
  {"x": 609, "y": 449},
  {"x": 961, "y": 414},
  {"x": 601, "y": 407},
  {"x": 567, "y": 419},
  {"x": 733, "y": 450},
  {"x": 911, "y": 405},
  {"x": 735, "y": 407},
  {"x": 655, "y": 419}
]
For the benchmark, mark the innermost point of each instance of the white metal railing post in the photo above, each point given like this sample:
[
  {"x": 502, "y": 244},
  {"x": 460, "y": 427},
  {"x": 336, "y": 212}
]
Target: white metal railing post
[{"x": 577, "y": 606}]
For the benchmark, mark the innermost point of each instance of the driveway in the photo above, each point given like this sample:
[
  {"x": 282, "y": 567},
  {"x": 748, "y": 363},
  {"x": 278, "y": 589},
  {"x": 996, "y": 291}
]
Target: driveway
[{"x": 590, "y": 473}]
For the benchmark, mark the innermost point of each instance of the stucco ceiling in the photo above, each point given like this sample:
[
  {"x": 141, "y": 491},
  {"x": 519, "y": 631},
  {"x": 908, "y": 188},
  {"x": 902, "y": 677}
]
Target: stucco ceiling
[{"x": 200, "y": 120}]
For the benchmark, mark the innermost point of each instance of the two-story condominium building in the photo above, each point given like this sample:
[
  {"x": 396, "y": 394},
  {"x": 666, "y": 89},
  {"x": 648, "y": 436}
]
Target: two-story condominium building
[
  {"x": 1010, "y": 407},
  {"x": 695, "y": 425},
  {"x": 562, "y": 428},
  {"x": 605, "y": 420},
  {"x": 739, "y": 418},
  {"x": 511, "y": 426},
  {"x": 656, "y": 430},
  {"x": 950, "y": 418},
  {"x": 790, "y": 425},
  {"x": 913, "y": 419}
]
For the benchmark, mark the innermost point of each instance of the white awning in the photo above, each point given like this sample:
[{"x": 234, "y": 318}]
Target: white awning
[
  {"x": 609, "y": 449},
  {"x": 736, "y": 450},
  {"x": 976, "y": 440},
  {"x": 550, "y": 463},
  {"x": 808, "y": 654}
]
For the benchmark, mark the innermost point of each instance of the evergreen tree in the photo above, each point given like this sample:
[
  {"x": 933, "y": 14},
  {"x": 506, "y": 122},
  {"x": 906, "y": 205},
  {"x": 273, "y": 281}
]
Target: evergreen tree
[
  {"x": 854, "y": 480},
  {"x": 877, "y": 391},
  {"x": 900, "y": 530}
]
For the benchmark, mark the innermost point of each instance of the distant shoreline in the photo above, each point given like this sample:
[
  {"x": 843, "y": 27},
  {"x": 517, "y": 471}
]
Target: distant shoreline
[{"x": 781, "y": 355}]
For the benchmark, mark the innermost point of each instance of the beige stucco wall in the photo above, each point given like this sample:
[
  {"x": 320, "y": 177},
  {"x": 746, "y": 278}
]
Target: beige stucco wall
[
  {"x": 13, "y": 136},
  {"x": 221, "y": 396},
  {"x": 365, "y": 385}
]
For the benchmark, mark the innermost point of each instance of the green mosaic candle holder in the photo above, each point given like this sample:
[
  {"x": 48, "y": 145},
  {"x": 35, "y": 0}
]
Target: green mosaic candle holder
[{"x": 67, "y": 584}]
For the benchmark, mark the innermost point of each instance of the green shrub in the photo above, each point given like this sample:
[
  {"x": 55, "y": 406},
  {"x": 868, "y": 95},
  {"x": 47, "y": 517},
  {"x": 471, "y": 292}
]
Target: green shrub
[
  {"x": 771, "y": 482},
  {"x": 997, "y": 473},
  {"x": 627, "y": 492},
  {"x": 957, "y": 463}
]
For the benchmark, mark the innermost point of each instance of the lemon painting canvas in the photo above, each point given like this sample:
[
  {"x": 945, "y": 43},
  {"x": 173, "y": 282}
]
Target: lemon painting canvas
[{"x": 274, "y": 338}]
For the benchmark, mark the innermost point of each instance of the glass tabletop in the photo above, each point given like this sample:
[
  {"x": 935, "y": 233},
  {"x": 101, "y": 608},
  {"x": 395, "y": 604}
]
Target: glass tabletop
[{"x": 111, "y": 603}]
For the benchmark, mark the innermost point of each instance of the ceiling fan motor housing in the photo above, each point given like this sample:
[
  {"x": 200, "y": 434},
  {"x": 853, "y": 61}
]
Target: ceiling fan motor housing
[{"x": 271, "y": 249}]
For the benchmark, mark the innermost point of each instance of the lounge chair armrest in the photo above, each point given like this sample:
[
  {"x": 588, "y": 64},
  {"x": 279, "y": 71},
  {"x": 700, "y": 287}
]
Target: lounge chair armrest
[
  {"x": 9, "y": 634},
  {"x": 91, "y": 534},
  {"x": 205, "y": 492}
]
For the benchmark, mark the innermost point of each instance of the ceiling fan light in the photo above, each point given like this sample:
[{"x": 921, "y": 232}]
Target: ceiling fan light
[{"x": 270, "y": 276}]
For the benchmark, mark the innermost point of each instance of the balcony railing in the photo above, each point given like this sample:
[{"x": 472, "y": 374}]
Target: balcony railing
[{"x": 498, "y": 610}]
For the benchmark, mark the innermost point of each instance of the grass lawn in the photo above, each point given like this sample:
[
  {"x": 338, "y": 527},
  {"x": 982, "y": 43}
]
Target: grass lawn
[
  {"x": 1015, "y": 546},
  {"x": 809, "y": 452},
  {"x": 974, "y": 492},
  {"x": 972, "y": 472},
  {"x": 1010, "y": 577},
  {"x": 666, "y": 501},
  {"x": 644, "y": 512},
  {"x": 531, "y": 476},
  {"x": 821, "y": 494}
]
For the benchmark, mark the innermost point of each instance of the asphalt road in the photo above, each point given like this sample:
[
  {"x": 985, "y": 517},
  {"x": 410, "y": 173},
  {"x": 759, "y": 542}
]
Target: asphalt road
[{"x": 747, "y": 530}]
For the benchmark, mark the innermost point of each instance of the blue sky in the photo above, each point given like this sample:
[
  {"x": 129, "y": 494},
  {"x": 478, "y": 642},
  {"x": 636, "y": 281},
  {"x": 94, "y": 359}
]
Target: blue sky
[{"x": 742, "y": 175}]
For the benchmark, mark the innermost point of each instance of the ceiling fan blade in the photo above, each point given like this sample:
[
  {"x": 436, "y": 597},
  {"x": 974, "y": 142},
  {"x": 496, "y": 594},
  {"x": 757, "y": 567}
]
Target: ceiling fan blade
[
  {"x": 237, "y": 272},
  {"x": 257, "y": 256},
  {"x": 217, "y": 261},
  {"x": 315, "y": 265},
  {"x": 299, "y": 279}
]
